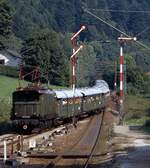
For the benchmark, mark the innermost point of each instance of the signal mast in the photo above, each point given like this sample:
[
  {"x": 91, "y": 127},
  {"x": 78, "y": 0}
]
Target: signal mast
[
  {"x": 73, "y": 56},
  {"x": 73, "y": 63},
  {"x": 122, "y": 40}
]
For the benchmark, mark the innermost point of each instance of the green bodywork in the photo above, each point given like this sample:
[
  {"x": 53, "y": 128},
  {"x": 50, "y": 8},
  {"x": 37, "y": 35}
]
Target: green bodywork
[
  {"x": 31, "y": 104},
  {"x": 67, "y": 108},
  {"x": 45, "y": 106}
]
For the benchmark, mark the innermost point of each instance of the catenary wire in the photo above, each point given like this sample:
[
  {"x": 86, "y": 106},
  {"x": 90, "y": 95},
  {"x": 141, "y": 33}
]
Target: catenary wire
[
  {"x": 120, "y": 11},
  {"x": 143, "y": 31},
  {"x": 110, "y": 25}
]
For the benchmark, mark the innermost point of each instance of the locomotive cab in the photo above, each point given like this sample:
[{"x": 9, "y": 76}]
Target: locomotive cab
[
  {"x": 33, "y": 108},
  {"x": 25, "y": 104}
]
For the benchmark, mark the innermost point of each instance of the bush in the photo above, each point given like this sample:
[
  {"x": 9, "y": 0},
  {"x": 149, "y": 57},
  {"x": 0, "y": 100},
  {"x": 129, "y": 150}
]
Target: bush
[
  {"x": 132, "y": 89},
  {"x": 9, "y": 71},
  {"x": 6, "y": 127},
  {"x": 148, "y": 112},
  {"x": 147, "y": 86},
  {"x": 5, "y": 110},
  {"x": 147, "y": 123}
]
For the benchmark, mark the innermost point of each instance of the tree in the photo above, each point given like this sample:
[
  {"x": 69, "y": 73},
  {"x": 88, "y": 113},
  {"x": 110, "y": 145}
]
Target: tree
[
  {"x": 43, "y": 49},
  {"x": 66, "y": 16},
  {"x": 5, "y": 22},
  {"x": 135, "y": 76},
  {"x": 86, "y": 66}
]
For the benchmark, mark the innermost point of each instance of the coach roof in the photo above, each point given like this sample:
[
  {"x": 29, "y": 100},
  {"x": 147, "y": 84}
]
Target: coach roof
[{"x": 100, "y": 87}]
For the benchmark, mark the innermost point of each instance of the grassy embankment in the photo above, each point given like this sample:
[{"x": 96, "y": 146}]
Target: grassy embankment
[
  {"x": 7, "y": 86},
  {"x": 137, "y": 109}
]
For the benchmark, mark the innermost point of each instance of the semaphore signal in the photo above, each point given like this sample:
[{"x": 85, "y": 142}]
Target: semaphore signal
[{"x": 73, "y": 63}]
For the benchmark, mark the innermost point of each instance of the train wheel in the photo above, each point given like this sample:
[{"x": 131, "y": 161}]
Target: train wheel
[
  {"x": 55, "y": 122},
  {"x": 74, "y": 121},
  {"x": 49, "y": 123}
]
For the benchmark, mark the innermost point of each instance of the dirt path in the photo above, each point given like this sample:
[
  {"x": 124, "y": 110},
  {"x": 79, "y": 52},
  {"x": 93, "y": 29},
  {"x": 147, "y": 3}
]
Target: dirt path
[{"x": 132, "y": 148}]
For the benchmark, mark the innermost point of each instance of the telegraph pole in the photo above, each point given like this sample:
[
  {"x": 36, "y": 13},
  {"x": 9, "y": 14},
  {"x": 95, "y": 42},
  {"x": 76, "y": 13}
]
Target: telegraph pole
[{"x": 122, "y": 40}]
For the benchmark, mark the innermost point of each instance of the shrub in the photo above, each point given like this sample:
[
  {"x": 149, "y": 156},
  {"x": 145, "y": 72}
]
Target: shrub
[
  {"x": 148, "y": 112},
  {"x": 9, "y": 71},
  {"x": 147, "y": 123},
  {"x": 5, "y": 109}
]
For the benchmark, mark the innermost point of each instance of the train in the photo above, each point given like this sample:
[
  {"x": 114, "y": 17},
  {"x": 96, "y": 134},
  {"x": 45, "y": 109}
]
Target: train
[{"x": 34, "y": 107}]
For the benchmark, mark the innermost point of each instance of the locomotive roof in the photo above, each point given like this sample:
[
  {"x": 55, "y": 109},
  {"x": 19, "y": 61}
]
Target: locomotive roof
[
  {"x": 64, "y": 94},
  {"x": 100, "y": 87}
]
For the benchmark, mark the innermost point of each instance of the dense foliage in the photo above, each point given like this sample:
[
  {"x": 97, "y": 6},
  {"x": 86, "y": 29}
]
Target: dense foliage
[
  {"x": 5, "y": 22},
  {"x": 9, "y": 71},
  {"x": 56, "y": 20},
  {"x": 43, "y": 49}
]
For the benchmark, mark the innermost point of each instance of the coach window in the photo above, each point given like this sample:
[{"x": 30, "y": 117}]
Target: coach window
[
  {"x": 77, "y": 101},
  {"x": 2, "y": 62},
  {"x": 64, "y": 102},
  {"x": 70, "y": 101},
  {"x": 92, "y": 98},
  {"x": 97, "y": 98},
  {"x": 85, "y": 99},
  {"x": 89, "y": 100}
]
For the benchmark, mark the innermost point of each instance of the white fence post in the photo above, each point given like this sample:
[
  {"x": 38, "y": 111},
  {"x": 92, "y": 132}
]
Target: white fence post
[{"x": 5, "y": 151}]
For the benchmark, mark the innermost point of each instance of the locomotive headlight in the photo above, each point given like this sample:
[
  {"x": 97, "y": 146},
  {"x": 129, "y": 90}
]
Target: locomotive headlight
[
  {"x": 16, "y": 113},
  {"x": 25, "y": 127}
]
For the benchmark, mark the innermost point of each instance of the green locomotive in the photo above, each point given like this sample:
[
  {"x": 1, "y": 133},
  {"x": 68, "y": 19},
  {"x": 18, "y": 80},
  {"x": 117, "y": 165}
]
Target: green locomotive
[{"x": 34, "y": 107}]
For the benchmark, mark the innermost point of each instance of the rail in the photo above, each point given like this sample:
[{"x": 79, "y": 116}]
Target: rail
[
  {"x": 74, "y": 151},
  {"x": 60, "y": 157},
  {"x": 93, "y": 148}
]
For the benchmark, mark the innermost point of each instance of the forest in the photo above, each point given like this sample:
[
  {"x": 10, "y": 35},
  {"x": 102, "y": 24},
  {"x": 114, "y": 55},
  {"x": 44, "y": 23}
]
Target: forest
[{"x": 40, "y": 31}]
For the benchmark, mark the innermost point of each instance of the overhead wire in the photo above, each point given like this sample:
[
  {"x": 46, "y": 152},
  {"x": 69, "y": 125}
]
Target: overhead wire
[
  {"x": 121, "y": 11},
  {"x": 110, "y": 25},
  {"x": 118, "y": 30},
  {"x": 143, "y": 31}
]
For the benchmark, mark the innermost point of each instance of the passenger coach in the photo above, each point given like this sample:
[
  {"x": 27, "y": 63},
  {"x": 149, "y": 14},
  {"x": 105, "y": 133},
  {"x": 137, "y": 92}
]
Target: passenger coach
[{"x": 37, "y": 107}]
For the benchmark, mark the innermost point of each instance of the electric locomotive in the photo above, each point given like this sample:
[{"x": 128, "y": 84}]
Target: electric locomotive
[{"x": 37, "y": 108}]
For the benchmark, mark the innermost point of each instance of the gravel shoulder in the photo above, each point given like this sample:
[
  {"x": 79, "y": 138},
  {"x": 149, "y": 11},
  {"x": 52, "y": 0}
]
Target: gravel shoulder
[{"x": 131, "y": 147}]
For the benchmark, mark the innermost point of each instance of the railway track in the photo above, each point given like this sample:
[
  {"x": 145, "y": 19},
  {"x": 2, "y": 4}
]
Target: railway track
[
  {"x": 13, "y": 142},
  {"x": 60, "y": 157},
  {"x": 94, "y": 145},
  {"x": 12, "y": 139},
  {"x": 80, "y": 148},
  {"x": 83, "y": 148},
  {"x": 6, "y": 137}
]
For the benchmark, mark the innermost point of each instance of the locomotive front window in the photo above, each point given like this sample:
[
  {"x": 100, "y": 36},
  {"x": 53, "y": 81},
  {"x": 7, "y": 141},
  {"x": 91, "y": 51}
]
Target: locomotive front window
[{"x": 27, "y": 96}]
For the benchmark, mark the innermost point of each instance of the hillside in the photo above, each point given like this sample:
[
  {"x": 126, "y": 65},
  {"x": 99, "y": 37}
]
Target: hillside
[
  {"x": 67, "y": 16},
  {"x": 7, "y": 86},
  {"x": 36, "y": 20},
  {"x": 137, "y": 109}
]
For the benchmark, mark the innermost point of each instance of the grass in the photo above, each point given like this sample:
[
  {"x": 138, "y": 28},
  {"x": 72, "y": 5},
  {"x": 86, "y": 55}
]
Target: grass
[
  {"x": 137, "y": 109},
  {"x": 7, "y": 86}
]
